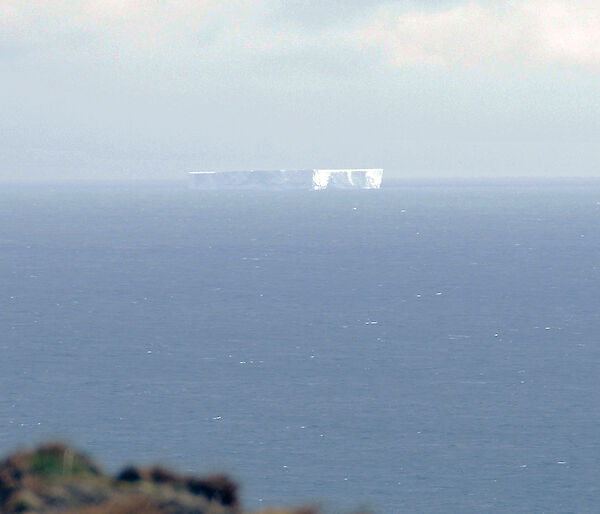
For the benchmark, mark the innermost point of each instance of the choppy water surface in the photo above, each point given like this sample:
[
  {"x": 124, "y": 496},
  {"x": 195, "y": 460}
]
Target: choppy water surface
[{"x": 420, "y": 349}]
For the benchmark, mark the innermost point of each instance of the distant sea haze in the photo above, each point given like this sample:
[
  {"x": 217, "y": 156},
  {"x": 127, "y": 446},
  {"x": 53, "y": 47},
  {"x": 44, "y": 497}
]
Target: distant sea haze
[{"x": 412, "y": 349}]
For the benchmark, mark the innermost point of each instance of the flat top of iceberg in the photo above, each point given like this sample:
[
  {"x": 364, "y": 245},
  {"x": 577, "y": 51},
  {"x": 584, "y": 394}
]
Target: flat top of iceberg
[{"x": 340, "y": 170}]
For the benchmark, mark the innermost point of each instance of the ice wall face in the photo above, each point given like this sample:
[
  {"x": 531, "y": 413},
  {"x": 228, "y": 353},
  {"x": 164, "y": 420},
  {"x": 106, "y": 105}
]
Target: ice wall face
[
  {"x": 347, "y": 179},
  {"x": 315, "y": 179},
  {"x": 260, "y": 180},
  {"x": 373, "y": 179}
]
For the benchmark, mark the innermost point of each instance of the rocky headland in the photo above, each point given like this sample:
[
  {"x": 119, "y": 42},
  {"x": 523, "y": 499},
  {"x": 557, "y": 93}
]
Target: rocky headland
[{"x": 55, "y": 478}]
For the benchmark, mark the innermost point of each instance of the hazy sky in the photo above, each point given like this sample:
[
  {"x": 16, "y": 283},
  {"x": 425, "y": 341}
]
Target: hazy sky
[{"x": 450, "y": 88}]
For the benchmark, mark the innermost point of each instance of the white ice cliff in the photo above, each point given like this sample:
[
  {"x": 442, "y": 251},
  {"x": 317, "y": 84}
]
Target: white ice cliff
[{"x": 315, "y": 179}]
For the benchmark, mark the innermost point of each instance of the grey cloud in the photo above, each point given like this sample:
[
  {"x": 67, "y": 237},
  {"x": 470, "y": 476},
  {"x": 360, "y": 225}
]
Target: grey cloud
[{"x": 286, "y": 88}]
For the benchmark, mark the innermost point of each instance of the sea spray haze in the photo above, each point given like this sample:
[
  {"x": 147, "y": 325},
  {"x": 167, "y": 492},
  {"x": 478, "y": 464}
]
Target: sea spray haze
[{"x": 425, "y": 349}]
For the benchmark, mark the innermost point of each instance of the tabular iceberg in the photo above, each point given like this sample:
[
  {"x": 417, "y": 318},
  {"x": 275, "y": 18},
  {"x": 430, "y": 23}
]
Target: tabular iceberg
[{"x": 312, "y": 179}]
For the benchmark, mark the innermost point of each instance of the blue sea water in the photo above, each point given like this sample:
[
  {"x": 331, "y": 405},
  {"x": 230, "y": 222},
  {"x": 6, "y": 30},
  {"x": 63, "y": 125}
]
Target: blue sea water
[{"x": 416, "y": 349}]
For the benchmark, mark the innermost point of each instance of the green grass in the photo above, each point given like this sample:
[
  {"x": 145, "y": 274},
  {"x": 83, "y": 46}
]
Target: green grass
[{"x": 50, "y": 465}]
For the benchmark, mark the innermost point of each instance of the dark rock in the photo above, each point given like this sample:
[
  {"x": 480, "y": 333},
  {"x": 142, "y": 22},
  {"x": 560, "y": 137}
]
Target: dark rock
[
  {"x": 215, "y": 488},
  {"x": 129, "y": 474},
  {"x": 162, "y": 475}
]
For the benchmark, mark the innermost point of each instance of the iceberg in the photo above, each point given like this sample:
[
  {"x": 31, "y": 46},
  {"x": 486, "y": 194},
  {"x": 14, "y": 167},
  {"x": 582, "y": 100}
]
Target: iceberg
[{"x": 308, "y": 179}]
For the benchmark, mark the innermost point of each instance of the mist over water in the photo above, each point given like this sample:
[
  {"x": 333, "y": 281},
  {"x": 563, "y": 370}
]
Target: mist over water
[{"x": 418, "y": 349}]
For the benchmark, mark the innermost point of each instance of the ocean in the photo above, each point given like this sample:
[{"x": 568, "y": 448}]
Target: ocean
[{"x": 420, "y": 348}]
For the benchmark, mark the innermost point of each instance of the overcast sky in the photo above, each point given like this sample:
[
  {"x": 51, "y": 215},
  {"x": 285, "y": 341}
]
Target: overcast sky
[{"x": 151, "y": 89}]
